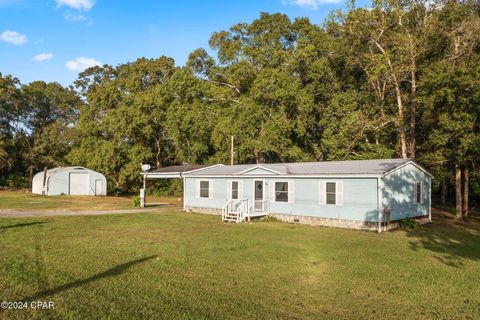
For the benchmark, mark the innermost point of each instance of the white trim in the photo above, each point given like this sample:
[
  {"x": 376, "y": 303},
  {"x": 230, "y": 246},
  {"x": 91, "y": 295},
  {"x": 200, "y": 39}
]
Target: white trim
[
  {"x": 422, "y": 193},
  {"x": 339, "y": 194},
  {"x": 258, "y": 167},
  {"x": 230, "y": 189},
  {"x": 291, "y": 191},
  {"x": 274, "y": 191},
  {"x": 165, "y": 175},
  {"x": 263, "y": 189},
  {"x": 430, "y": 200},
  {"x": 210, "y": 189},
  {"x": 322, "y": 194},
  {"x": 184, "y": 194},
  {"x": 286, "y": 176},
  {"x": 271, "y": 190},
  {"x": 197, "y": 189},
  {"x": 419, "y": 167},
  {"x": 175, "y": 174},
  {"x": 336, "y": 190},
  {"x": 240, "y": 189},
  {"x": 200, "y": 169},
  {"x": 379, "y": 207}
]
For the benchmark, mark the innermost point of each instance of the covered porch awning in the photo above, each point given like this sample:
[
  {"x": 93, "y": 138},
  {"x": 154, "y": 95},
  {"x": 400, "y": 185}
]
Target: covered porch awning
[{"x": 172, "y": 171}]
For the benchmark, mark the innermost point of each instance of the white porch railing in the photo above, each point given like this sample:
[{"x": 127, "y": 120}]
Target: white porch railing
[{"x": 242, "y": 209}]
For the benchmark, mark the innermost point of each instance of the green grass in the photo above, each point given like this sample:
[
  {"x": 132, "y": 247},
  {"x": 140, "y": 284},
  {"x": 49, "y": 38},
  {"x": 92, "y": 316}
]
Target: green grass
[
  {"x": 18, "y": 200},
  {"x": 179, "y": 265}
]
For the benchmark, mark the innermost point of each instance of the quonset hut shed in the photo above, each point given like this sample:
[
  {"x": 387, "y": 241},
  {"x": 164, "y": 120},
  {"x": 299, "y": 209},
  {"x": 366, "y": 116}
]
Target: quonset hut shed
[{"x": 70, "y": 181}]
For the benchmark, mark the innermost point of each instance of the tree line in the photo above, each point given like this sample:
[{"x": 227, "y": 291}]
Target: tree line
[{"x": 399, "y": 79}]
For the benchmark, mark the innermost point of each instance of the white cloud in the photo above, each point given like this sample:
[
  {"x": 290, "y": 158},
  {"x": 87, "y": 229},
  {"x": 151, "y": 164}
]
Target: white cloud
[
  {"x": 13, "y": 37},
  {"x": 43, "y": 57},
  {"x": 82, "y": 63},
  {"x": 311, "y": 4},
  {"x": 81, "y": 5},
  {"x": 74, "y": 17}
]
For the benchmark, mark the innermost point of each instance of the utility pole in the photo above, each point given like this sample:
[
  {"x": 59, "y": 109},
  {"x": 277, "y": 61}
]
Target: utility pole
[{"x": 232, "y": 153}]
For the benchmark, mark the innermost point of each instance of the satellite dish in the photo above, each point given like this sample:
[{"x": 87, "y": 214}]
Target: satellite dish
[{"x": 145, "y": 167}]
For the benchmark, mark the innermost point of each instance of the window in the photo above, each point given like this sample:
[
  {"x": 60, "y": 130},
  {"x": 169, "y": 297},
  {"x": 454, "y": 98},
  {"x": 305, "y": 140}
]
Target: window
[
  {"x": 418, "y": 192},
  {"x": 331, "y": 192},
  {"x": 281, "y": 191},
  {"x": 234, "y": 190},
  {"x": 204, "y": 189}
]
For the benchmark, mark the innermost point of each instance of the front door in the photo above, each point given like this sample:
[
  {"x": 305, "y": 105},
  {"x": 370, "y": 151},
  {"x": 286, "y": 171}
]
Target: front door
[{"x": 258, "y": 195}]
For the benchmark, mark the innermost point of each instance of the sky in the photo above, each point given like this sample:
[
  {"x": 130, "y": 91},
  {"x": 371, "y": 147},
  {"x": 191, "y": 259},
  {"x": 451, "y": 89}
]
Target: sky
[{"x": 54, "y": 40}]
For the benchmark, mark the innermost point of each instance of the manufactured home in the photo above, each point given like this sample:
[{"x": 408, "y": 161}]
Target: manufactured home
[{"x": 362, "y": 194}]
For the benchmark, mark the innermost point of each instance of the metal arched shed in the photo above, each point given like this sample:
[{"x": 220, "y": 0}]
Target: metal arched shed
[{"x": 70, "y": 181}]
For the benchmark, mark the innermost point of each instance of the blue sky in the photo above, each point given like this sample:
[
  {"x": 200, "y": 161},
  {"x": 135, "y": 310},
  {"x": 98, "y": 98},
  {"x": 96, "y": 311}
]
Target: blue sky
[{"x": 53, "y": 40}]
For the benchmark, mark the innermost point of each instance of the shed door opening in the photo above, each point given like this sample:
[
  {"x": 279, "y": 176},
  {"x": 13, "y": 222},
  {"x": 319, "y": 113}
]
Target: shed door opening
[
  {"x": 79, "y": 184},
  {"x": 98, "y": 187}
]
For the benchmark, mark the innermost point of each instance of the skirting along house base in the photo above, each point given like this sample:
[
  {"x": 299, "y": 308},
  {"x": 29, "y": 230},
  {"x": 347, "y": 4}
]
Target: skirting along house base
[{"x": 359, "y": 194}]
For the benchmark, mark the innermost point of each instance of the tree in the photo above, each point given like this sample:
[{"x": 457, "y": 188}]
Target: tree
[{"x": 50, "y": 115}]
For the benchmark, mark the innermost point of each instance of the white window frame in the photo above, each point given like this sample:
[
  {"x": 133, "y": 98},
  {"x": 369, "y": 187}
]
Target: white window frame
[
  {"x": 334, "y": 193},
  {"x": 231, "y": 190},
  {"x": 209, "y": 189},
  {"x": 290, "y": 191},
  {"x": 322, "y": 192},
  {"x": 275, "y": 191},
  {"x": 415, "y": 192}
]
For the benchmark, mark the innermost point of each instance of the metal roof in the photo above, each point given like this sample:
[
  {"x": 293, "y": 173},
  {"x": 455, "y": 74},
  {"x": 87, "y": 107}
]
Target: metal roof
[
  {"x": 62, "y": 169},
  {"x": 349, "y": 167},
  {"x": 179, "y": 168}
]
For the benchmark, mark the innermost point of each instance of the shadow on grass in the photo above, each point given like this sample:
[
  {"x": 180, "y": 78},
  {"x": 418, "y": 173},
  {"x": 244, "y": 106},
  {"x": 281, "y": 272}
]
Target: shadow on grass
[
  {"x": 25, "y": 224},
  {"x": 453, "y": 241},
  {"x": 112, "y": 272}
]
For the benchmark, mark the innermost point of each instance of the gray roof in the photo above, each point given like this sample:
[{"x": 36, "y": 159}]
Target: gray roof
[
  {"x": 179, "y": 168},
  {"x": 349, "y": 167}
]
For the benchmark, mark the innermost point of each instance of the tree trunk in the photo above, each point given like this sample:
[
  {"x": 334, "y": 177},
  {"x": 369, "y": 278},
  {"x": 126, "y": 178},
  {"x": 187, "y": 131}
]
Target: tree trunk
[
  {"x": 158, "y": 159},
  {"x": 30, "y": 176},
  {"x": 443, "y": 195},
  {"x": 458, "y": 191},
  {"x": 259, "y": 157},
  {"x": 465, "y": 192},
  {"x": 413, "y": 111},
  {"x": 401, "y": 119}
]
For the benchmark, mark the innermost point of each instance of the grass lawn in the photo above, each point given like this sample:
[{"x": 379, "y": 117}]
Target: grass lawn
[
  {"x": 182, "y": 265},
  {"x": 17, "y": 200}
]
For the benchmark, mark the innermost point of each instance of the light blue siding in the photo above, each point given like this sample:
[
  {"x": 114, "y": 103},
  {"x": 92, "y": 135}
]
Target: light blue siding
[
  {"x": 359, "y": 200},
  {"x": 359, "y": 196},
  {"x": 399, "y": 190}
]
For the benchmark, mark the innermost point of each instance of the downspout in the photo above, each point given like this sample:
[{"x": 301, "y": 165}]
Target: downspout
[{"x": 379, "y": 200}]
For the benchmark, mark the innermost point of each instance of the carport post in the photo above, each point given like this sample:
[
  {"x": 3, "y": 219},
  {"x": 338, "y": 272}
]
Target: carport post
[{"x": 144, "y": 190}]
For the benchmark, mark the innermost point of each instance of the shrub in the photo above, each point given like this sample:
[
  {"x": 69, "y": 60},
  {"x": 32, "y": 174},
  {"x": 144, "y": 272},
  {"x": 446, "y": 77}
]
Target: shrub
[
  {"x": 136, "y": 201},
  {"x": 16, "y": 182},
  {"x": 408, "y": 223},
  {"x": 269, "y": 218}
]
